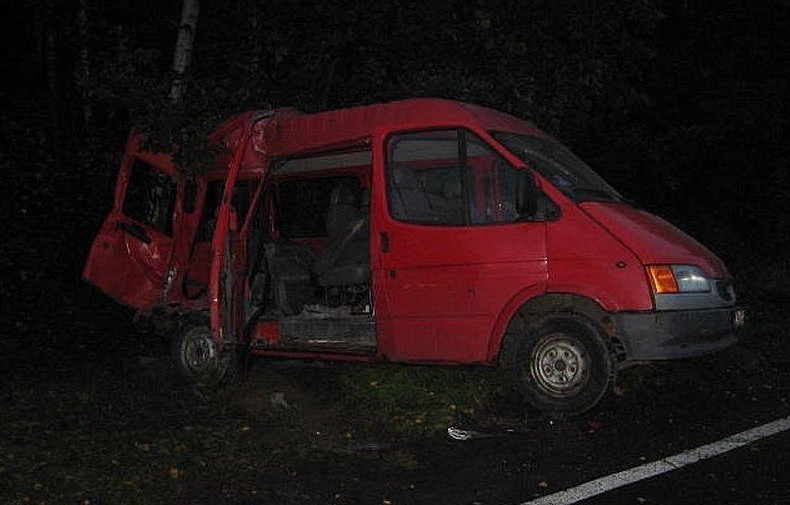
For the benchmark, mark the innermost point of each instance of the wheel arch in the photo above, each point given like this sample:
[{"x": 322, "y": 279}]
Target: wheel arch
[{"x": 518, "y": 317}]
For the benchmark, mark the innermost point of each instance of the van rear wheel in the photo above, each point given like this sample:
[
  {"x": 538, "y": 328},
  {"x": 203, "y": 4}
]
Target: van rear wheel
[
  {"x": 197, "y": 358},
  {"x": 564, "y": 366}
]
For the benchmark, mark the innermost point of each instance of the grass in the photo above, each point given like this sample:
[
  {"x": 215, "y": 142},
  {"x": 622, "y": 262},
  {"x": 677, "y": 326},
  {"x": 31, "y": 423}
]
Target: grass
[
  {"x": 129, "y": 435},
  {"x": 416, "y": 401}
]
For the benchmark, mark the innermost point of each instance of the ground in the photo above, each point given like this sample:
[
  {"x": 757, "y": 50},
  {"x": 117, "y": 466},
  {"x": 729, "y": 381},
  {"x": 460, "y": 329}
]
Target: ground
[{"x": 95, "y": 414}]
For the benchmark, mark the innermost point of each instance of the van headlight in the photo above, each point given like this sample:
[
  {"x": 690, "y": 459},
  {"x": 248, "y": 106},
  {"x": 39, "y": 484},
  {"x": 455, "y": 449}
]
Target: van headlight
[{"x": 677, "y": 279}]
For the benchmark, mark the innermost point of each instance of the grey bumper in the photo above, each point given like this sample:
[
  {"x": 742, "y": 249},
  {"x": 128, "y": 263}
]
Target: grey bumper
[{"x": 676, "y": 334}]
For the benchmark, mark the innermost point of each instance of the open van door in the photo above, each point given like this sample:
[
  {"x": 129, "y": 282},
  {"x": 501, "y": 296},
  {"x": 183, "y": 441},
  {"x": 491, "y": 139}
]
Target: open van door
[
  {"x": 226, "y": 283},
  {"x": 131, "y": 258}
]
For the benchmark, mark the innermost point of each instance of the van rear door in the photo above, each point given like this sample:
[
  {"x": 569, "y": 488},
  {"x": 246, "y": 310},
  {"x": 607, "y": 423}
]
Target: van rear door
[
  {"x": 226, "y": 283},
  {"x": 130, "y": 258}
]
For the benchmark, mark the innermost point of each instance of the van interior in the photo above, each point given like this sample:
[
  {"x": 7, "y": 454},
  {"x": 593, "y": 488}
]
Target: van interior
[{"x": 309, "y": 256}]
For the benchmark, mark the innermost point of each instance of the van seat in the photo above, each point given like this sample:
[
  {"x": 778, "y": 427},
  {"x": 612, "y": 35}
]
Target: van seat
[
  {"x": 345, "y": 260},
  {"x": 408, "y": 199},
  {"x": 443, "y": 190}
]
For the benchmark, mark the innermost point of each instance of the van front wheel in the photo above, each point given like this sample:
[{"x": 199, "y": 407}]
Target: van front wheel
[{"x": 564, "y": 366}]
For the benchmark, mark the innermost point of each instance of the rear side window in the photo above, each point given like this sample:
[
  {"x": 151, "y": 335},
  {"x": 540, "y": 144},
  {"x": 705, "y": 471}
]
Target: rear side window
[
  {"x": 150, "y": 197},
  {"x": 452, "y": 178}
]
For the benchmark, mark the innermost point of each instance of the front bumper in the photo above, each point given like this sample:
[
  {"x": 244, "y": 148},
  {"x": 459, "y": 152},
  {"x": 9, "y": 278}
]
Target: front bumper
[{"x": 660, "y": 335}]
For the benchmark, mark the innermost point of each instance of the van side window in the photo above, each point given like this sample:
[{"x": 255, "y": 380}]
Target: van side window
[
  {"x": 451, "y": 178},
  {"x": 150, "y": 197}
]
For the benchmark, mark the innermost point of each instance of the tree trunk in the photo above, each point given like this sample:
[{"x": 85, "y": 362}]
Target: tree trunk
[{"x": 183, "y": 53}]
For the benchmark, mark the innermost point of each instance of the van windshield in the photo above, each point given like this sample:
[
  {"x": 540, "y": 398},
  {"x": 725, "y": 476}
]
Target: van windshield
[{"x": 560, "y": 166}]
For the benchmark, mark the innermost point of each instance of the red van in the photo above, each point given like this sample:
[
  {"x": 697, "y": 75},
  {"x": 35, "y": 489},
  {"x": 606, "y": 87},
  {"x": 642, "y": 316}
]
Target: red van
[{"x": 418, "y": 231}]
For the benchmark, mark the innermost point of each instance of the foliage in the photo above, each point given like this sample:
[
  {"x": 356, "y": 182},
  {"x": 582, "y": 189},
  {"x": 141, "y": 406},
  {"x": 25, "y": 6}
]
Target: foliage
[{"x": 556, "y": 67}]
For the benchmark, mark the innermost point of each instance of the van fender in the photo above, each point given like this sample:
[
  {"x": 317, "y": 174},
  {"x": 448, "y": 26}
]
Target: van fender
[{"x": 532, "y": 305}]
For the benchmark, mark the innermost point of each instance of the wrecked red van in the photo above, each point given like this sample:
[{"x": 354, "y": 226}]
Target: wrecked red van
[{"x": 418, "y": 231}]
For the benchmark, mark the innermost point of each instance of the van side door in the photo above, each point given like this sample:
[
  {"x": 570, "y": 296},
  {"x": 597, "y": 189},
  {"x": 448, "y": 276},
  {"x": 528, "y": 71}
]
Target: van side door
[{"x": 456, "y": 244}]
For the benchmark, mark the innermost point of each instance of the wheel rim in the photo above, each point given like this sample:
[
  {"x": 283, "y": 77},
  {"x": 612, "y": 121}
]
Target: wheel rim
[
  {"x": 559, "y": 364},
  {"x": 198, "y": 351}
]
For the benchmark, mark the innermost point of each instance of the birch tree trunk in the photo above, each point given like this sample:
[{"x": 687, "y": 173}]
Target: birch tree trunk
[{"x": 182, "y": 57}]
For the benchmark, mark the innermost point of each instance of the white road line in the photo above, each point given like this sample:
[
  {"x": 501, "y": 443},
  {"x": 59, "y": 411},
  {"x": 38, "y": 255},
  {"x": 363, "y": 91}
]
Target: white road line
[{"x": 626, "y": 477}]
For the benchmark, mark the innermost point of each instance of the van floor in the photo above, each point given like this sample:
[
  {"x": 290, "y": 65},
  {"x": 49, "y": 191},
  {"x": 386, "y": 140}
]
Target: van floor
[{"x": 323, "y": 328}]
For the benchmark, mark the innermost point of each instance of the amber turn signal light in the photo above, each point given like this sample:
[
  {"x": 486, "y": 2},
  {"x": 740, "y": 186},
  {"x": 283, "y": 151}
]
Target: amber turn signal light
[{"x": 662, "y": 279}]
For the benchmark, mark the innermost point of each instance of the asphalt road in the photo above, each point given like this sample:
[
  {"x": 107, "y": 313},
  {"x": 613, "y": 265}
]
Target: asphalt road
[{"x": 757, "y": 473}]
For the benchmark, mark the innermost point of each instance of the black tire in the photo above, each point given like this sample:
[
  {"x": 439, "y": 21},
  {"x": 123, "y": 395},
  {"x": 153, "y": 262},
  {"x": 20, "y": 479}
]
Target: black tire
[
  {"x": 563, "y": 365},
  {"x": 197, "y": 358}
]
